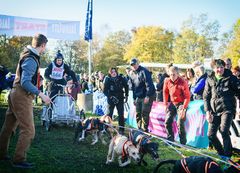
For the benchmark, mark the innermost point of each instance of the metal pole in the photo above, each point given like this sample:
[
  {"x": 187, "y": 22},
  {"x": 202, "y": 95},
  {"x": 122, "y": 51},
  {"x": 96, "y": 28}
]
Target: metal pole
[{"x": 89, "y": 57}]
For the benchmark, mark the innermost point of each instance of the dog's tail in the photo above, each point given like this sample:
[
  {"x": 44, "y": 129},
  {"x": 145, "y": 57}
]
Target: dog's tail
[{"x": 170, "y": 163}]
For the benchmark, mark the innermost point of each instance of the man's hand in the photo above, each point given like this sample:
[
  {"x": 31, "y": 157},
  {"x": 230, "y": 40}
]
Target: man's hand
[
  {"x": 135, "y": 102},
  {"x": 146, "y": 100},
  {"x": 114, "y": 100},
  {"x": 209, "y": 117},
  {"x": 166, "y": 107},
  {"x": 183, "y": 114},
  {"x": 45, "y": 98}
]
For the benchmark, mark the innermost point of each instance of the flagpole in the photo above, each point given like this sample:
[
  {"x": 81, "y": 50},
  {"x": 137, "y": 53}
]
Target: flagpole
[
  {"x": 89, "y": 58},
  {"x": 88, "y": 35}
]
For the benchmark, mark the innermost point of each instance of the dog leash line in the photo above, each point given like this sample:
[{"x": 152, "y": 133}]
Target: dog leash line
[{"x": 181, "y": 146}]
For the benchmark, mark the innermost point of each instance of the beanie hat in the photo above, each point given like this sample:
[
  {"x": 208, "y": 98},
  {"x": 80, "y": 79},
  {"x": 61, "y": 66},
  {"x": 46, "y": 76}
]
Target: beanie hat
[{"x": 59, "y": 55}]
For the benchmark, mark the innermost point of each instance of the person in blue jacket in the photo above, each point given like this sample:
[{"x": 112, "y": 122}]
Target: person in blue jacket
[{"x": 198, "y": 88}]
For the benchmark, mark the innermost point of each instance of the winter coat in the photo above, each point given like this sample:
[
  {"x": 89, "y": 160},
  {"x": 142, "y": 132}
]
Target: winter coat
[{"x": 219, "y": 96}]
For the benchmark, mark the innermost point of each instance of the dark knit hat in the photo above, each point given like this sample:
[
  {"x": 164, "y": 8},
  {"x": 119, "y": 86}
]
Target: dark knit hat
[{"x": 59, "y": 55}]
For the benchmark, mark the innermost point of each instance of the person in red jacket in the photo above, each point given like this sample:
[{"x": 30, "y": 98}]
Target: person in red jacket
[{"x": 177, "y": 89}]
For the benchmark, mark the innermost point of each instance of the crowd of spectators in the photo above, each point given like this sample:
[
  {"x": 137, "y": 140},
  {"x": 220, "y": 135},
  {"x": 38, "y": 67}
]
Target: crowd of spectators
[{"x": 140, "y": 81}]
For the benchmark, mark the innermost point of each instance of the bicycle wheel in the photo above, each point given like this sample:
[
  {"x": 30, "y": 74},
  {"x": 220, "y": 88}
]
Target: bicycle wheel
[
  {"x": 48, "y": 119},
  {"x": 165, "y": 166}
]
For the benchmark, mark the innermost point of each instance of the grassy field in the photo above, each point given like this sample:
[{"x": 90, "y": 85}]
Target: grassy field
[{"x": 54, "y": 152}]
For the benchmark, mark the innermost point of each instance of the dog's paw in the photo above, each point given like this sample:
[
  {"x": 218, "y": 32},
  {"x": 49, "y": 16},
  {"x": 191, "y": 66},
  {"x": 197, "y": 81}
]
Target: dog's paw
[
  {"x": 93, "y": 143},
  {"x": 123, "y": 165},
  {"x": 104, "y": 142},
  {"x": 80, "y": 139},
  {"x": 108, "y": 162}
]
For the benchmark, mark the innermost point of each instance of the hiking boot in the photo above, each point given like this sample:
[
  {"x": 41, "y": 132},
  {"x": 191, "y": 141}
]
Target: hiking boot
[{"x": 24, "y": 165}]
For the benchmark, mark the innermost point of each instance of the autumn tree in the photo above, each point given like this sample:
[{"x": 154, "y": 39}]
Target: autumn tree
[
  {"x": 196, "y": 39},
  {"x": 151, "y": 44},
  {"x": 112, "y": 52},
  {"x": 233, "y": 48},
  {"x": 223, "y": 43},
  {"x": 190, "y": 46},
  {"x": 203, "y": 26},
  {"x": 10, "y": 50},
  {"x": 76, "y": 53}
]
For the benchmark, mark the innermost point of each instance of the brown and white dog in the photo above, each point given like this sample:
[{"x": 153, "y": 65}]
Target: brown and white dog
[
  {"x": 95, "y": 126},
  {"x": 124, "y": 149}
]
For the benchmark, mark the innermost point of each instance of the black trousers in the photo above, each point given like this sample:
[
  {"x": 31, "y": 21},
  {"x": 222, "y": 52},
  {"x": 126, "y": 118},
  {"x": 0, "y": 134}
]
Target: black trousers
[
  {"x": 172, "y": 111},
  {"x": 54, "y": 89},
  {"x": 143, "y": 110},
  {"x": 120, "y": 109},
  {"x": 222, "y": 123}
]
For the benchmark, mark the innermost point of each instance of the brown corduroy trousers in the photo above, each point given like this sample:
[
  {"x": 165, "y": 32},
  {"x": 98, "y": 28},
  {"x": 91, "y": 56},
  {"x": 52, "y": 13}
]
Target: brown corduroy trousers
[{"x": 19, "y": 114}]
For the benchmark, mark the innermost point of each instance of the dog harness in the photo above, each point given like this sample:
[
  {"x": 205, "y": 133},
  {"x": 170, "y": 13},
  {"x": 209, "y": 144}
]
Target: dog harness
[
  {"x": 95, "y": 123},
  {"x": 184, "y": 165},
  {"x": 207, "y": 166},
  {"x": 90, "y": 124},
  {"x": 234, "y": 164},
  {"x": 141, "y": 140},
  {"x": 125, "y": 152}
]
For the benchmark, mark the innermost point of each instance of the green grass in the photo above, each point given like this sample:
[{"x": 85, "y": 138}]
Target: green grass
[{"x": 54, "y": 152}]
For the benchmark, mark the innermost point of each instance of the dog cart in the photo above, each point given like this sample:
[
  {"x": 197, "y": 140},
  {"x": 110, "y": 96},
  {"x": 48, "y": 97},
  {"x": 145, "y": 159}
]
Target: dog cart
[{"x": 62, "y": 110}]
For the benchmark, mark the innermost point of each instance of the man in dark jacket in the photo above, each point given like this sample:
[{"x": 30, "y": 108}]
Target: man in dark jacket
[
  {"x": 55, "y": 74},
  {"x": 220, "y": 105},
  {"x": 20, "y": 110},
  {"x": 144, "y": 93},
  {"x": 116, "y": 89}
]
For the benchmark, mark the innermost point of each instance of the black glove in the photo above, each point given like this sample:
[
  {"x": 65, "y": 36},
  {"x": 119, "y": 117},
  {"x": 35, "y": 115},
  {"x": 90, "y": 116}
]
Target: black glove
[{"x": 114, "y": 100}]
